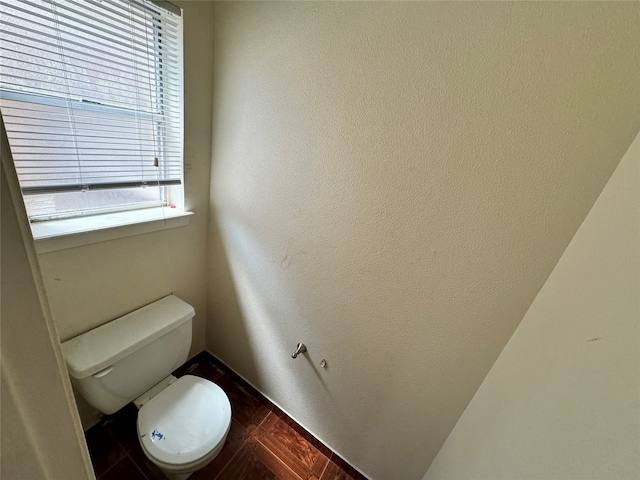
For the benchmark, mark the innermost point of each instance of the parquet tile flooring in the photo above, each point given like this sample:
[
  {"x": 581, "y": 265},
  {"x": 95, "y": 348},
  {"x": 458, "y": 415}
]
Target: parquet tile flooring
[{"x": 263, "y": 442}]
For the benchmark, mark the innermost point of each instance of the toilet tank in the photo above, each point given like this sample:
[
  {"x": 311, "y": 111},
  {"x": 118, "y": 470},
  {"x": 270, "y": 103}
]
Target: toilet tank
[{"x": 118, "y": 361}]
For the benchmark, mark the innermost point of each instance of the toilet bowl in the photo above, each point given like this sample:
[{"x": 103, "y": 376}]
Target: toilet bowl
[
  {"x": 184, "y": 427},
  {"x": 182, "y": 424}
]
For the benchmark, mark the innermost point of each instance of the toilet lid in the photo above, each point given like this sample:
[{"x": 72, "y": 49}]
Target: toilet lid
[{"x": 185, "y": 421}]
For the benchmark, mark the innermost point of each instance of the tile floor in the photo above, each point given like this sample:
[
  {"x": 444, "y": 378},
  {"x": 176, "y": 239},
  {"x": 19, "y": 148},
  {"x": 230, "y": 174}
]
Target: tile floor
[{"x": 263, "y": 442}]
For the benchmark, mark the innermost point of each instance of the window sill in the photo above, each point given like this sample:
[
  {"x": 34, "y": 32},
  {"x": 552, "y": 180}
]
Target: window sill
[{"x": 75, "y": 232}]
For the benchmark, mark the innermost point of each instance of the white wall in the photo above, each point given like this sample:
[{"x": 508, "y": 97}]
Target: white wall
[
  {"x": 563, "y": 399},
  {"x": 41, "y": 433},
  {"x": 392, "y": 184}
]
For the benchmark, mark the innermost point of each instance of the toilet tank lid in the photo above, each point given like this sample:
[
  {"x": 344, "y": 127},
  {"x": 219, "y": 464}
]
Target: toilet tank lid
[{"x": 101, "y": 347}]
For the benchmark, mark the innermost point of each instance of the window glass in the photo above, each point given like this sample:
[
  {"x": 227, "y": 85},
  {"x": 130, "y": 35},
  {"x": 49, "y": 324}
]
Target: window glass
[{"x": 91, "y": 97}]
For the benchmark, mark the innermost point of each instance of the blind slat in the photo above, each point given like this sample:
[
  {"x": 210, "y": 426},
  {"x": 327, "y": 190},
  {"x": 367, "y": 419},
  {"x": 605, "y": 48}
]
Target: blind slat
[
  {"x": 91, "y": 94},
  {"x": 85, "y": 112},
  {"x": 26, "y": 44},
  {"x": 36, "y": 60},
  {"x": 121, "y": 37}
]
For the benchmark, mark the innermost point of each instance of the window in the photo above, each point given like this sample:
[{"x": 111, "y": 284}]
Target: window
[{"x": 91, "y": 97}]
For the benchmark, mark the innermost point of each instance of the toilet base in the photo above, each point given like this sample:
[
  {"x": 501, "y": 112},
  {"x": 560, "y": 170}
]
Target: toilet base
[{"x": 176, "y": 476}]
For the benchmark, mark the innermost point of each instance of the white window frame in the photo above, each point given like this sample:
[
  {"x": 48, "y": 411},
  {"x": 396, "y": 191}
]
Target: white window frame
[{"x": 53, "y": 233}]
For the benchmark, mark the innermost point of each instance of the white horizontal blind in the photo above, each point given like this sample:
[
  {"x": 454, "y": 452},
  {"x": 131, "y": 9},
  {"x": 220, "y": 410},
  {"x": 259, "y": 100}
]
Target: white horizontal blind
[{"x": 91, "y": 93}]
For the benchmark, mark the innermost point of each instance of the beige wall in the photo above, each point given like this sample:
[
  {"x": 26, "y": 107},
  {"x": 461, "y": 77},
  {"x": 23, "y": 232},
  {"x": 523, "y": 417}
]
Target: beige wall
[
  {"x": 93, "y": 284},
  {"x": 41, "y": 433},
  {"x": 562, "y": 401},
  {"x": 392, "y": 184}
]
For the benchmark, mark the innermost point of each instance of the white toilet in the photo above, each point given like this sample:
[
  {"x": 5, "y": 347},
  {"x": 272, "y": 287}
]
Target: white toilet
[{"x": 182, "y": 423}]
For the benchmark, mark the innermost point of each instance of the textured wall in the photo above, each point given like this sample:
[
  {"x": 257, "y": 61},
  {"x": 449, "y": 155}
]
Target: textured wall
[
  {"x": 41, "y": 433},
  {"x": 392, "y": 184},
  {"x": 562, "y": 399},
  {"x": 93, "y": 284}
]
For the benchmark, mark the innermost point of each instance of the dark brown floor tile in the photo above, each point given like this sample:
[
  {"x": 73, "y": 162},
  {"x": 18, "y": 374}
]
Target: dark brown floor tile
[
  {"x": 125, "y": 469},
  {"x": 146, "y": 466},
  {"x": 290, "y": 447},
  {"x": 182, "y": 369},
  {"x": 263, "y": 442},
  {"x": 122, "y": 425},
  {"x": 246, "y": 409},
  {"x": 233, "y": 444},
  {"x": 104, "y": 449},
  {"x": 254, "y": 462},
  {"x": 203, "y": 368},
  {"x": 202, "y": 365},
  {"x": 321, "y": 447}
]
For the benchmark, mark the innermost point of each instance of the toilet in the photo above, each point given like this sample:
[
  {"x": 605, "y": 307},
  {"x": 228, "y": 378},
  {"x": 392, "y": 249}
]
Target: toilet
[{"x": 182, "y": 422}]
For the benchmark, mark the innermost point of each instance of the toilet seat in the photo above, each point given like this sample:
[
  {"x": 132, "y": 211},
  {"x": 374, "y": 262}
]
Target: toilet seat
[{"x": 184, "y": 424}]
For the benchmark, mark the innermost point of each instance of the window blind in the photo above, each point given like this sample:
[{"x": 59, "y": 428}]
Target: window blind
[{"x": 91, "y": 93}]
